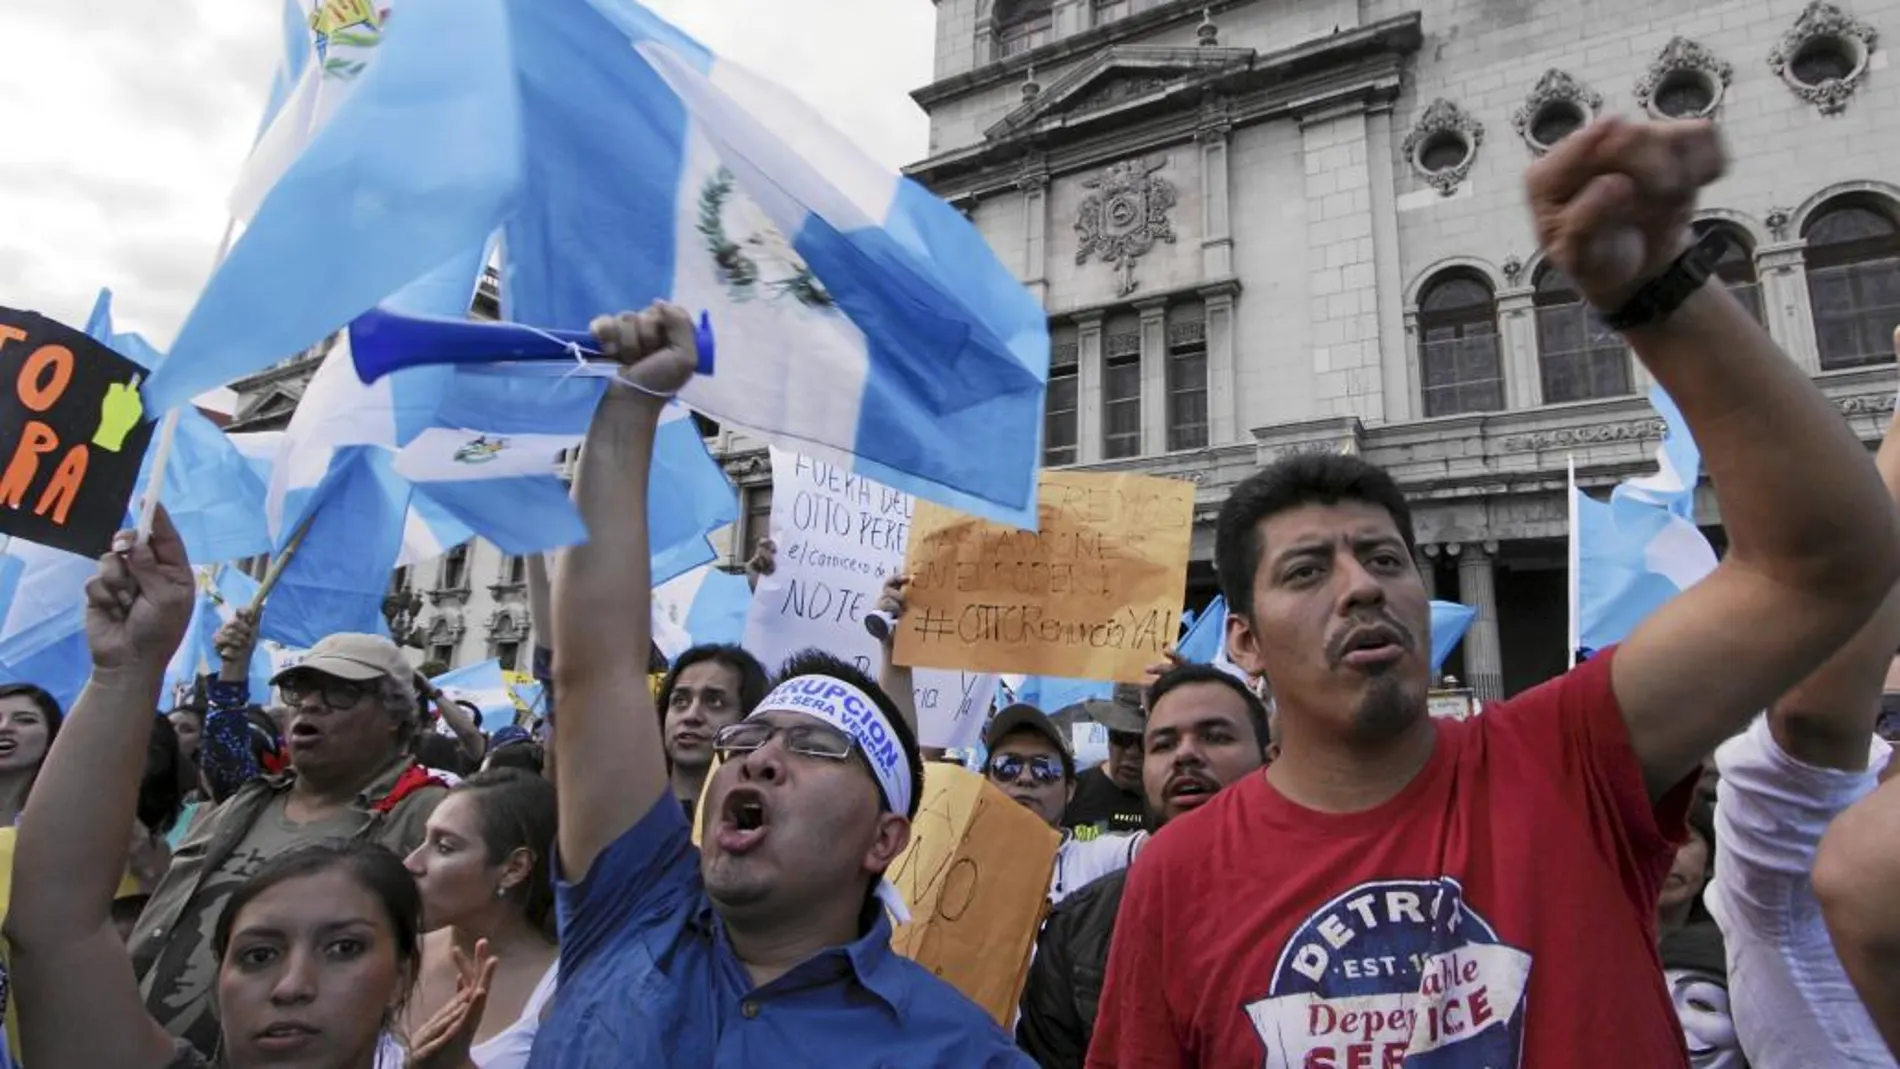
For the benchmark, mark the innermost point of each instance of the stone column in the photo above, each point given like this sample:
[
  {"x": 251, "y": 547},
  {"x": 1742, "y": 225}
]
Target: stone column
[
  {"x": 1217, "y": 228},
  {"x": 1088, "y": 387},
  {"x": 1035, "y": 190},
  {"x": 1484, "y": 664},
  {"x": 1783, "y": 270},
  {"x": 1404, "y": 399},
  {"x": 1224, "y": 422},
  {"x": 1154, "y": 375},
  {"x": 1517, "y": 348}
]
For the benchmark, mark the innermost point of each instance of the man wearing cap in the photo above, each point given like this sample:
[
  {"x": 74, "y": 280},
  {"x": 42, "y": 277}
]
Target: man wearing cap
[
  {"x": 770, "y": 944},
  {"x": 353, "y": 710},
  {"x": 1029, "y": 760},
  {"x": 1108, "y": 798}
]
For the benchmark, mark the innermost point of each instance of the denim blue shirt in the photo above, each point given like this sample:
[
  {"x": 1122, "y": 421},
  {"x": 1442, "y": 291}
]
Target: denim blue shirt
[{"x": 648, "y": 978}]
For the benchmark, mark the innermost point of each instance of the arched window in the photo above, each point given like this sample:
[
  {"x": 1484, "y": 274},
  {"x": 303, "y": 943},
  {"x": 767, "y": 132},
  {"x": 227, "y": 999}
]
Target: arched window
[
  {"x": 1578, "y": 357},
  {"x": 1853, "y": 260},
  {"x": 1022, "y": 25},
  {"x": 1736, "y": 268},
  {"x": 1458, "y": 345}
]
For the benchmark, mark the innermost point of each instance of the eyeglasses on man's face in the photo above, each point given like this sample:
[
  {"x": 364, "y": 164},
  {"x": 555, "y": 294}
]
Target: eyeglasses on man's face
[
  {"x": 1043, "y": 769},
  {"x": 338, "y": 694},
  {"x": 807, "y": 740}
]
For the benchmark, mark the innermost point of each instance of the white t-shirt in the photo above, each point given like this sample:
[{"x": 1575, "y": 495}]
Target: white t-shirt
[
  {"x": 1792, "y": 1002},
  {"x": 1080, "y": 862}
]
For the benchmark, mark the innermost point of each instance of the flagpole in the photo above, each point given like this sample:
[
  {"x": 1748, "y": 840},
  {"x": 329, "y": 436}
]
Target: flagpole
[
  {"x": 1575, "y": 555},
  {"x": 283, "y": 561},
  {"x": 169, "y": 429}
]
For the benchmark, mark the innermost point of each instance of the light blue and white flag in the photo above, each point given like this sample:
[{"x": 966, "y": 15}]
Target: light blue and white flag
[
  {"x": 43, "y": 629},
  {"x": 702, "y": 607},
  {"x": 1206, "y": 638},
  {"x": 1450, "y": 621},
  {"x": 1631, "y": 555},
  {"x": 857, "y": 315},
  {"x": 222, "y": 591},
  {"x": 215, "y": 498},
  {"x": 483, "y": 686},
  {"x": 416, "y": 165},
  {"x": 1052, "y": 694}
]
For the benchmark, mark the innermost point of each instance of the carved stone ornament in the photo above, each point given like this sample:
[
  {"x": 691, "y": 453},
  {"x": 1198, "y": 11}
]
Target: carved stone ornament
[
  {"x": 1123, "y": 217},
  {"x": 1115, "y": 91},
  {"x": 1823, "y": 22},
  {"x": 1866, "y": 404},
  {"x": 1777, "y": 222},
  {"x": 1635, "y": 430},
  {"x": 1556, "y": 87},
  {"x": 1064, "y": 354},
  {"x": 1513, "y": 272},
  {"x": 1683, "y": 57},
  {"x": 1442, "y": 120}
]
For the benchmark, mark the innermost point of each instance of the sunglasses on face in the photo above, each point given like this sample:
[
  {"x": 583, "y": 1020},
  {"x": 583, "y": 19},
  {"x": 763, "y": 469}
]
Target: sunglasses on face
[
  {"x": 808, "y": 740},
  {"x": 338, "y": 694},
  {"x": 1005, "y": 767}
]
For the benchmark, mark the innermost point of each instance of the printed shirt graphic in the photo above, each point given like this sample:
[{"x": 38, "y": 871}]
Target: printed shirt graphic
[
  {"x": 1395, "y": 972},
  {"x": 1497, "y": 913}
]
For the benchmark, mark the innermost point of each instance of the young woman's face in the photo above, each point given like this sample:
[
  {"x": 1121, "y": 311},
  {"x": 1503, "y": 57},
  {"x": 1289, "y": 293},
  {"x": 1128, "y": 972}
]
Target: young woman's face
[
  {"x": 23, "y": 734},
  {"x": 452, "y": 867},
  {"x": 311, "y": 976}
]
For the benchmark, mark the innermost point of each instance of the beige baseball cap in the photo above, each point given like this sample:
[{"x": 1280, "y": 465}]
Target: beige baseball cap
[{"x": 357, "y": 658}]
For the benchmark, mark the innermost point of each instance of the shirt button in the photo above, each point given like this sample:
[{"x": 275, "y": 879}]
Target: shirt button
[{"x": 749, "y": 1008}]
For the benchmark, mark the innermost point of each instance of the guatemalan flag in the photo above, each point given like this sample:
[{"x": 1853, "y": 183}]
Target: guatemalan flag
[
  {"x": 858, "y": 316},
  {"x": 1634, "y": 553}
]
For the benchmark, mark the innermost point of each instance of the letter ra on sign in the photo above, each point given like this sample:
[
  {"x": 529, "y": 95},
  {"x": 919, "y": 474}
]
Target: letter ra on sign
[{"x": 72, "y": 434}]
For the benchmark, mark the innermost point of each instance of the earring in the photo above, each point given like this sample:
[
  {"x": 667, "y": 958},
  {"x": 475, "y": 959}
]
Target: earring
[{"x": 501, "y": 891}]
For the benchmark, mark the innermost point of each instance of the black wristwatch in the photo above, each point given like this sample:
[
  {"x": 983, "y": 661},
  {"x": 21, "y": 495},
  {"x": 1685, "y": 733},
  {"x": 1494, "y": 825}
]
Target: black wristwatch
[{"x": 1662, "y": 295}]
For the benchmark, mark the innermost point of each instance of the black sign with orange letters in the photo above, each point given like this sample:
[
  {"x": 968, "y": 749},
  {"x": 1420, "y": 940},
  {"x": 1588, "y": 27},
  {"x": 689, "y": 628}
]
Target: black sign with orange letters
[{"x": 73, "y": 433}]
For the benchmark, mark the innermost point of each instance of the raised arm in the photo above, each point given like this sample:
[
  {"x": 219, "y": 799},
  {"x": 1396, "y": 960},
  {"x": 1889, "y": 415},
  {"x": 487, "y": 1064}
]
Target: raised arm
[
  {"x": 896, "y": 679},
  {"x": 1827, "y": 718},
  {"x": 609, "y": 766},
  {"x": 79, "y": 1000},
  {"x": 1813, "y": 540}
]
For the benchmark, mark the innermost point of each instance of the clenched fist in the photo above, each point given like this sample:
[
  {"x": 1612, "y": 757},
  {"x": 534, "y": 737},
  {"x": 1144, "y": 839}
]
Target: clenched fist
[
  {"x": 656, "y": 348},
  {"x": 1612, "y": 202}
]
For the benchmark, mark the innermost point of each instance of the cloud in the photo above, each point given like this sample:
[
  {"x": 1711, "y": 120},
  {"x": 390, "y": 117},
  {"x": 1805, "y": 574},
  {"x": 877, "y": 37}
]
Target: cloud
[{"x": 128, "y": 121}]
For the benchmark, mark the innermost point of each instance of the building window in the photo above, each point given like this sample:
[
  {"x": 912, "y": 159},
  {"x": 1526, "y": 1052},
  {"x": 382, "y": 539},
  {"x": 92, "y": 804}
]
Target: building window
[
  {"x": 514, "y": 570},
  {"x": 758, "y": 517},
  {"x": 1458, "y": 346},
  {"x": 1853, "y": 260},
  {"x": 1121, "y": 393},
  {"x": 708, "y": 427},
  {"x": 1059, "y": 433},
  {"x": 1187, "y": 377},
  {"x": 442, "y": 653},
  {"x": 1578, "y": 357},
  {"x": 399, "y": 580},
  {"x": 455, "y": 568},
  {"x": 509, "y": 654},
  {"x": 1736, "y": 268},
  {"x": 1022, "y": 25}
]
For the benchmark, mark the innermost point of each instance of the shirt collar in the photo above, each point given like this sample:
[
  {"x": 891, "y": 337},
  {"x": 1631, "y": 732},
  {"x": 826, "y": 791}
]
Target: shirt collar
[{"x": 869, "y": 958}]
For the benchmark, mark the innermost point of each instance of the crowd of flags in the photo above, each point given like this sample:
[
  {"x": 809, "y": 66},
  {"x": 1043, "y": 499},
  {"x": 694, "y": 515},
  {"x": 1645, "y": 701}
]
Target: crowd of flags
[{"x": 859, "y": 319}]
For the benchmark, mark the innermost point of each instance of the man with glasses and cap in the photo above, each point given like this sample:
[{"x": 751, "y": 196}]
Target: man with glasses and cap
[
  {"x": 1029, "y": 760},
  {"x": 1108, "y": 797},
  {"x": 353, "y": 711},
  {"x": 770, "y": 944}
]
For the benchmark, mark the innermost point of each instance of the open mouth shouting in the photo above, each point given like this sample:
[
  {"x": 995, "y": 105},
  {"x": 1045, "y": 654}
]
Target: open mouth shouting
[
  {"x": 1189, "y": 790},
  {"x": 744, "y": 820},
  {"x": 304, "y": 734},
  {"x": 1374, "y": 646}
]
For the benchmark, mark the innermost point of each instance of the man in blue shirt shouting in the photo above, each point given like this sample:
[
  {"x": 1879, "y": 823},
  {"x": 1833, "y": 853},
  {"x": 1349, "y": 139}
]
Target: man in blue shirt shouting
[{"x": 771, "y": 946}]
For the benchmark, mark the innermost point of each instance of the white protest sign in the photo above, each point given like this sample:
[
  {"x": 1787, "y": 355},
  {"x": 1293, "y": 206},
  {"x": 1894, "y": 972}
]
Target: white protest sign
[{"x": 840, "y": 536}]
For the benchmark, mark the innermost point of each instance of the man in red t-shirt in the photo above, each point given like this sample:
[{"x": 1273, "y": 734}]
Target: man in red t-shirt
[{"x": 1396, "y": 891}]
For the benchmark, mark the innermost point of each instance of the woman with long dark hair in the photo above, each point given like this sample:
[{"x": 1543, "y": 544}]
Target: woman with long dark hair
[
  {"x": 484, "y": 869},
  {"x": 29, "y": 722},
  {"x": 317, "y": 951}
]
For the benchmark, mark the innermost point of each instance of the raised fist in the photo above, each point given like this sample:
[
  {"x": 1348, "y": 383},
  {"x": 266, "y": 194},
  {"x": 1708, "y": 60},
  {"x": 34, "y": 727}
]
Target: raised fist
[
  {"x": 1612, "y": 202},
  {"x": 656, "y": 348}
]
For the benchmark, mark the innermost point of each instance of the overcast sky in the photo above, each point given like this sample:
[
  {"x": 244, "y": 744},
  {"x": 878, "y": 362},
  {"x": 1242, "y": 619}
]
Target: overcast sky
[{"x": 127, "y": 121}]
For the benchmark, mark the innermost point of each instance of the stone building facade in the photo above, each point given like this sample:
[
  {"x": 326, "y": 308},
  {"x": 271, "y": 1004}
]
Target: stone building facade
[{"x": 1267, "y": 226}]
